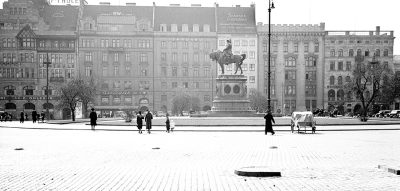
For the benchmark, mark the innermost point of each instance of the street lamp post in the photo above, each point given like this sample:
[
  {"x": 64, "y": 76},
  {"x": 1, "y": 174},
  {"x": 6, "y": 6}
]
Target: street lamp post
[
  {"x": 47, "y": 62},
  {"x": 270, "y": 6}
]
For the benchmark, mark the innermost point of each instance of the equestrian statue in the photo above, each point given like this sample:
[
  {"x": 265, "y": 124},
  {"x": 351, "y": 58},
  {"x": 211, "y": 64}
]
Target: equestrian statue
[{"x": 226, "y": 57}]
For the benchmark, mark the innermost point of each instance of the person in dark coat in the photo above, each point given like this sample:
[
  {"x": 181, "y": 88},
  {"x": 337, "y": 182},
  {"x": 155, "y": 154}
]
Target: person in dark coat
[
  {"x": 34, "y": 115},
  {"x": 268, "y": 123},
  {"x": 22, "y": 117},
  {"x": 93, "y": 119},
  {"x": 139, "y": 121},
  {"x": 148, "y": 119},
  {"x": 43, "y": 116},
  {"x": 167, "y": 123}
]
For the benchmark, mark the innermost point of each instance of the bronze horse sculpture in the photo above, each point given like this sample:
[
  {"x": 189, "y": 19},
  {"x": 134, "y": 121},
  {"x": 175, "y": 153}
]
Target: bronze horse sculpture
[{"x": 219, "y": 57}]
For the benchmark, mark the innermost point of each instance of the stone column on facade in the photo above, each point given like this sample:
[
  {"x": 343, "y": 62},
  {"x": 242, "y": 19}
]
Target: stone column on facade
[
  {"x": 280, "y": 80},
  {"x": 320, "y": 86}
]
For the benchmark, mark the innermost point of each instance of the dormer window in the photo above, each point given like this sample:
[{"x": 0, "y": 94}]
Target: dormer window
[
  {"x": 195, "y": 28},
  {"x": 174, "y": 28},
  {"x": 163, "y": 28},
  {"x": 185, "y": 28},
  {"x": 206, "y": 28}
]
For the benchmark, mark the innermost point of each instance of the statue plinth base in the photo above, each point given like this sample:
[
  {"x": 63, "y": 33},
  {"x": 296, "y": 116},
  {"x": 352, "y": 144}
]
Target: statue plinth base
[{"x": 231, "y": 98}]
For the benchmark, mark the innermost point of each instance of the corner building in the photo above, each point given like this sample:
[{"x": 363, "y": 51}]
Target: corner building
[
  {"x": 341, "y": 50},
  {"x": 32, "y": 32},
  {"x": 297, "y": 66}
]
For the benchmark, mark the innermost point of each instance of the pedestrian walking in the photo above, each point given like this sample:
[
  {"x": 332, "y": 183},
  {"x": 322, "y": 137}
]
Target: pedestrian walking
[
  {"x": 34, "y": 116},
  {"x": 268, "y": 122},
  {"x": 148, "y": 119},
  {"x": 26, "y": 116},
  {"x": 42, "y": 115},
  {"x": 139, "y": 121},
  {"x": 93, "y": 119},
  {"x": 22, "y": 117},
  {"x": 167, "y": 122}
]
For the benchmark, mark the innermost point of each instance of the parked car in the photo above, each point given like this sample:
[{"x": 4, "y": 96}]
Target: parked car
[
  {"x": 382, "y": 113},
  {"x": 394, "y": 113},
  {"x": 160, "y": 114}
]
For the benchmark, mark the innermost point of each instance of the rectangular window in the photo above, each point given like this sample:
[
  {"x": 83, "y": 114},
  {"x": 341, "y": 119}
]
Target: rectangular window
[
  {"x": 116, "y": 57},
  {"x": 185, "y": 57},
  {"x": 316, "y": 47},
  {"x": 252, "y": 67},
  {"x": 116, "y": 71},
  {"x": 163, "y": 56},
  {"x": 207, "y": 71},
  {"x": 174, "y": 71},
  {"x": 88, "y": 57},
  {"x": 196, "y": 72},
  {"x": 252, "y": 79},
  {"x": 348, "y": 65},
  {"x": 163, "y": 71},
  {"x": 127, "y": 57},
  {"x": 104, "y": 57},
  {"x": 174, "y": 84},
  {"x": 290, "y": 75},
  {"x": 105, "y": 70},
  {"x": 143, "y": 58},
  {"x": 275, "y": 47},
  {"x": 236, "y": 43},
  {"x": 88, "y": 71},
  {"x": 332, "y": 65},
  {"x": 340, "y": 66},
  {"x": 285, "y": 47},
  {"x": 185, "y": 71},
  {"x": 252, "y": 55},
  {"x": 306, "y": 47},
  {"x": 252, "y": 43}
]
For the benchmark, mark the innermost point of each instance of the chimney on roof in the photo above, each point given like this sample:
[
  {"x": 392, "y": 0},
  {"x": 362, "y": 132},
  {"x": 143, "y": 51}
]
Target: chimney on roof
[
  {"x": 105, "y": 3},
  {"x": 130, "y": 4},
  {"x": 196, "y": 5},
  {"x": 174, "y": 5},
  {"x": 237, "y": 5},
  {"x": 378, "y": 30}
]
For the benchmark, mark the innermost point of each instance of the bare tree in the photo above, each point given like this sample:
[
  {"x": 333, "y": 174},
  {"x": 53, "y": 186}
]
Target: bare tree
[
  {"x": 367, "y": 82},
  {"x": 258, "y": 102},
  {"x": 75, "y": 91},
  {"x": 180, "y": 103}
]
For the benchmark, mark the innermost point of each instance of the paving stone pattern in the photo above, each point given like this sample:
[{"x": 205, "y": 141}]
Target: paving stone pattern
[{"x": 108, "y": 160}]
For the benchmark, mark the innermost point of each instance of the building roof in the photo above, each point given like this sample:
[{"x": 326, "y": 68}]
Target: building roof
[
  {"x": 138, "y": 11},
  {"x": 184, "y": 15},
  {"x": 61, "y": 18}
]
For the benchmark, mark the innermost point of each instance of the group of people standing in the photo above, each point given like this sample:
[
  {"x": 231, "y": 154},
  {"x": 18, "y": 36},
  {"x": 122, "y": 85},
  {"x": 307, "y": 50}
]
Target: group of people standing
[{"x": 148, "y": 119}]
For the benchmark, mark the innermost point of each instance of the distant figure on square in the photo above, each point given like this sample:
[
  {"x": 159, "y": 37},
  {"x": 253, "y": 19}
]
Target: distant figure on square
[
  {"x": 268, "y": 122},
  {"x": 22, "y": 117},
  {"x": 34, "y": 116},
  {"x": 167, "y": 123},
  {"x": 93, "y": 119},
  {"x": 148, "y": 119},
  {"x": 139, "y": 121},
  {"x": 42, "y": 115}
]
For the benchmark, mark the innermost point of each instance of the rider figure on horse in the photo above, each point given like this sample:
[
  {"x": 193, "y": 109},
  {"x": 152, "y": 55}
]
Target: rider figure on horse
[{"x": 228, "y": 49}]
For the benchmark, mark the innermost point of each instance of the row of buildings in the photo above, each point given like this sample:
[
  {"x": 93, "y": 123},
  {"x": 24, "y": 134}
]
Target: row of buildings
[{"x": 141, "y": 57}]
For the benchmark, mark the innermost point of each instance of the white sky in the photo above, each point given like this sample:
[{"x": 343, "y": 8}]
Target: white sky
[{"x": 337, "y": 14}]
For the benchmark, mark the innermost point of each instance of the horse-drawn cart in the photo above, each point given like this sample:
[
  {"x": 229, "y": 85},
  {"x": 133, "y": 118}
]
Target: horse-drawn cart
[{"x": 302, "y": 120}]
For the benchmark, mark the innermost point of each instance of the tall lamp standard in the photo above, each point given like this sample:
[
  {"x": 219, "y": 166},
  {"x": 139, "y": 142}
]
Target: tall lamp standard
[
  {"x": 47, "y": 62},
  {"x": 270, "y": 6}
]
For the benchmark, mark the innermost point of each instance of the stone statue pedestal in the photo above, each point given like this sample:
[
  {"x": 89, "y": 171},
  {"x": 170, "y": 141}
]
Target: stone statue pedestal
[{"x": 231, "y": 98}]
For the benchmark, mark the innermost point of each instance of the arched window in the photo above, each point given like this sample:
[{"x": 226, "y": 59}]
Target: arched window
[
  {"x": 28, "y": 90},
  {"x": 332, "y": 80},
  {"x": 29, "y": 106},
  {"x": 386, "y": 52},
  {"x": 340, "y": 80},
  {"x": 332, "y": 52},
  {"x": 331, "y": 95},
  {"x": 340, "y": 95},
  {"x": 358, "y": 52},
  {"x": 377, "y": 53},
  {"x": 348, "y": 79},
  {"x": 351, "y": 52},
  {"x": 340, "y": 53},
  {"x": 10, "y": 106}
]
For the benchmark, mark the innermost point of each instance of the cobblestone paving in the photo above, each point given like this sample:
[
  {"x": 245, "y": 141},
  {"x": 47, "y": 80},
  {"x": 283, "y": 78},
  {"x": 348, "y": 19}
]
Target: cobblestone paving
[{"x": 107, "y": 160}]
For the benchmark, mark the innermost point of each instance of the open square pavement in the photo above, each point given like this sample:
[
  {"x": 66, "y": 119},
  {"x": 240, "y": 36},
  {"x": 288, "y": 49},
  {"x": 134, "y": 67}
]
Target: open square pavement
[{"x": 80, "y": 159}]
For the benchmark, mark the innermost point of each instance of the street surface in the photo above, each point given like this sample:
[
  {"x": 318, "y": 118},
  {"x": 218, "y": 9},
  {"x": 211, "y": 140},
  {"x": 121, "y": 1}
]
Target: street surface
[{"x": 81, "y": 159}]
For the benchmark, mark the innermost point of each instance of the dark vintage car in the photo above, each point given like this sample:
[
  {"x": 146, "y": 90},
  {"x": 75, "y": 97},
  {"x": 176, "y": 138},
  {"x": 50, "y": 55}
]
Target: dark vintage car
[{"x": 382, "y": 113}]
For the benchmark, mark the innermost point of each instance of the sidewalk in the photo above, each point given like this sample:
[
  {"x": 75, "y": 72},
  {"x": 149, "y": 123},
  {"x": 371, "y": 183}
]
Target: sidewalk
[{"x": 212, "y": 124}]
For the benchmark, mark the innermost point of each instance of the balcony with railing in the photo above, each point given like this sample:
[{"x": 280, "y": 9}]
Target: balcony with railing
[{"x": 57, "y": 79}]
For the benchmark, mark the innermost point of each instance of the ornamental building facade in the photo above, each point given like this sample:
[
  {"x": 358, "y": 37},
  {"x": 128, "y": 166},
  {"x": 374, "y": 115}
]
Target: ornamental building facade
[
  {"x": 32, "y": 33},
  {"x": 341, "y": 50},
  {"x": 297, "y": 66}
]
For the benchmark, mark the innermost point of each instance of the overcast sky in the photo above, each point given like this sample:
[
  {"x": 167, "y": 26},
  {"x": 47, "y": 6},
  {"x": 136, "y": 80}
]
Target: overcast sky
[{"x": 337, "y": 14}]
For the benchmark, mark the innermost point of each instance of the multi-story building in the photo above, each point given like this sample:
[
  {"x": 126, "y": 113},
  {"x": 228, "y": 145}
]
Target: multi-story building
[
  {"x": 182, "y": 44},
  {"x": 29, "y": 32},
  {"x": 116, "y": 46},
  {"x": 297, "y": 66},
  {"x": 341, "y": 50},
  {"x": 238, "y": 25}
]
